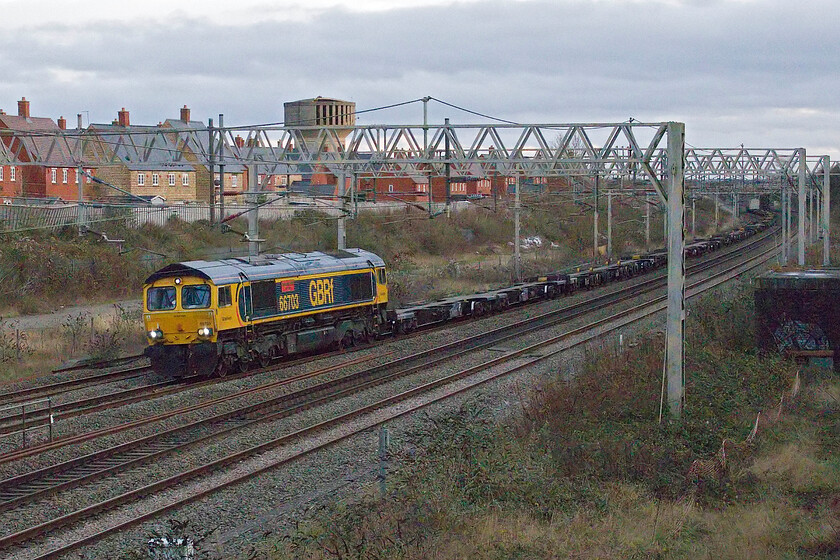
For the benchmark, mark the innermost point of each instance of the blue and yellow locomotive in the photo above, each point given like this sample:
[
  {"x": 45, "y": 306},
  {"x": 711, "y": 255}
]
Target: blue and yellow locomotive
[{"x": 214, "y": 317}]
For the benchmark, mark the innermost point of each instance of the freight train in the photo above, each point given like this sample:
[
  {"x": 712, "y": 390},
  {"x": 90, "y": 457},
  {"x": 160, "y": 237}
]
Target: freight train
[{"x": 215, "y": 317}]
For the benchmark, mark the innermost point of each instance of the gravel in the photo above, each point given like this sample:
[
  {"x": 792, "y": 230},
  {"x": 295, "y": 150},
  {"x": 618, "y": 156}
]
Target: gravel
[{"x": 242, "y": 513}]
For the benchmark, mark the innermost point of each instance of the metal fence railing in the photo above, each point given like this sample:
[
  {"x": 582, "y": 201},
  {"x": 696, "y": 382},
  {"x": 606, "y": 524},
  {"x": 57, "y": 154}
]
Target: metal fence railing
[{"x": 30, "y": 216}]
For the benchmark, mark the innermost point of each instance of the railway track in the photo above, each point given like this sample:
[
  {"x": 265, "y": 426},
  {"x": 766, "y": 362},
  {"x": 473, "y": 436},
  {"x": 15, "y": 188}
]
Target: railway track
[
  {"x": 364, "y": 416},
  {"x": 53, "y": 389},
  {"x": 130, "y": 396},
  {"x": 16, "y": 419},
  {"x": 134, "y": 453}
]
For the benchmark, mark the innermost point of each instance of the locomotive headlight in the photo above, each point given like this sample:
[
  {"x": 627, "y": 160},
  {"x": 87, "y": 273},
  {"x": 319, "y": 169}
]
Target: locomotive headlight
[
  {"x": 156, "y": 334},
  {"x": 205, "y": 332}
]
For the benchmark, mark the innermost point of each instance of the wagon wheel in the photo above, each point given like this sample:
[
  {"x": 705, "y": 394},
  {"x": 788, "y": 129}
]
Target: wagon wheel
[
  {"x": 224, "y": 366},
  {"x": 264, "y": 359},
  {"x": 242, "y": 365},
  {"x": 347, "y": 341}
]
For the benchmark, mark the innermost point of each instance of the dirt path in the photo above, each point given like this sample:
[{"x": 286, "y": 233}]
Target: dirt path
[{"x": 56, "y": 318}]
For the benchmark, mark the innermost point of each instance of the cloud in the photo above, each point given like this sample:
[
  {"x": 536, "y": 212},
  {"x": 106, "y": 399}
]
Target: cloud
[{"x": 762, "y": 72}]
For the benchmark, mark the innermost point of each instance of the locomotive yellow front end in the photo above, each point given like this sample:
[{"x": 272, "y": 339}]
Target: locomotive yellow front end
[{"x": 179, "y": 315}]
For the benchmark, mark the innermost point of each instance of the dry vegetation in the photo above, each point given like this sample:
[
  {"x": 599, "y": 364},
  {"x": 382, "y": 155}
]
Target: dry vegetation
[
  {"x": 81, "y": 337},
  {"x": 42, "y": 272},
  {"x": 587, "y": 471},
  {"x": 469, "y": 250}
]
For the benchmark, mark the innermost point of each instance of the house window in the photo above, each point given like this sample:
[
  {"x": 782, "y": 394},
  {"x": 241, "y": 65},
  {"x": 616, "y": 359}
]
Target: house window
[
  {"x": 155, "y": 179},
  {"x": 87, "y": 178},
  {"x": 64, "y": 175},
  {"x": 185, "y": 179},
  {"x": 1, "y": 172},
  {"x": 171, "y": 179},
  {"x": 283, "y": 180},
  {"x": 233, "y": 181},
  {"x": 390, "y": 188},
  {"x": 12, "y": 173},
  {"x": 53, "y": 175},
  {"x": 141, "y": 179}
]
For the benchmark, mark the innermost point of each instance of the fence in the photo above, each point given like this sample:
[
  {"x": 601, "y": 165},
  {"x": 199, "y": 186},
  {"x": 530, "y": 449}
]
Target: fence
[{"x": 25, "y": 217}]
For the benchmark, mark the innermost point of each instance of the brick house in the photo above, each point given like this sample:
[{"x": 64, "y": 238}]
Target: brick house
[
  {"x": 272, "y": 176},
  {"x": 39, "y": 140},
  {"x": 390, "y": 188},
  {"x": 141, "y": 173},
  {"x": 193, "y": 138}
]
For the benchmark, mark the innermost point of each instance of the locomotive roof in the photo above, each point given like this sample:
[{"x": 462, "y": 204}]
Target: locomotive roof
[{"x": 266, "y": 267}]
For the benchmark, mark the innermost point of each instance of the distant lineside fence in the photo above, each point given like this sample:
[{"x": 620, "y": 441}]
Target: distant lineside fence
[{"x": 21, "y": 217}]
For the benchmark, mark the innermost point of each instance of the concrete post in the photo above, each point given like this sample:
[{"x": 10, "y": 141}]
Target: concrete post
[
  {"x": 517, "y": 263},
  {"x": 676, "y": 268},
  {"x": 785, "y": 225},
  {"x": 384, "y": 443},
  {"x": 693, "y": 219},
  {"x": 82, "y": 218},
  {"x": 647, "y": 221},
  {"x": 812, "y": 223},
  {"x": 342, "y": 219},
  {"x": 595, "y": 221},
  {"x": 221, "y": 168},
  {"x": 609, "y": 225},
  {"x": 253, "y": 216},
  {"x": 826, "y": 207},
  {"x": 800, "y": 220},
  {"x": 717, "y": 210},
  {"x": 212, "y": 167},
  {"x": 734, "y": 208}
]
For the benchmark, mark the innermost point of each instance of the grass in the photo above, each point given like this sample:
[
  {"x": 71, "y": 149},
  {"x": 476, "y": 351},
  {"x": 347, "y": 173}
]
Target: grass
[
  {"x": 586, "y": 471},
  {"x": 43, "y": 270},
  {"x": 27, "y": 354}
]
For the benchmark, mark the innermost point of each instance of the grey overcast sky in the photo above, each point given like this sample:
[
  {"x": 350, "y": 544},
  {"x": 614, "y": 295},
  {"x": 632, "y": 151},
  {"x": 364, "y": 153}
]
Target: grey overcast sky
[{"x": 759, "y": 72}]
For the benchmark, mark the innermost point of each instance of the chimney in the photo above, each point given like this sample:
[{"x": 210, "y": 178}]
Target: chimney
[
  {"x": 240, "y": 142},
  {"x": 185, "y": 114},
  {"x": 122, "y": 117},
  {"x": 23, "y": 108},
  {"x": 2, "y": 112},
  {"x": 62, "y": 123}
]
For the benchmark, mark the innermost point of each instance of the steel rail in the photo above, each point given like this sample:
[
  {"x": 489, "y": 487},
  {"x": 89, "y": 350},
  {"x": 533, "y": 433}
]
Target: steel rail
[
  {"x": 640, "y": 311},
  {"x": 733, "y": 252},
  {"x": 56, "y": 388},
  {"x": 81, "y": 438}
]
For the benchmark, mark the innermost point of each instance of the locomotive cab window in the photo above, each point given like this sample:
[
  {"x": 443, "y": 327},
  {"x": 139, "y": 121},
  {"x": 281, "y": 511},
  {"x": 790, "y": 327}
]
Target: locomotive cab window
[
  {"x": 224, "y": 296},
  {"x": 161, "y": 299},
  {"x": 195, "y": 297},
  {"x": 382, "y": 279}
]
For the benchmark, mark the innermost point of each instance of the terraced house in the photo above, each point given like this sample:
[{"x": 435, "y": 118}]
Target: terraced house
[
  {"x": 37, "y": 139},
  {"x": 161, "y": 170},
  {"x": 192, "y": 138}
]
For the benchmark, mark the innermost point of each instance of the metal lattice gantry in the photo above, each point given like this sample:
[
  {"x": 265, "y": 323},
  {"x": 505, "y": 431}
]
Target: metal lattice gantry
[
  {"x": 654, "y": 149},
  {"x": 653, "y": 152},
  {"x": 773, "y": 171}
]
